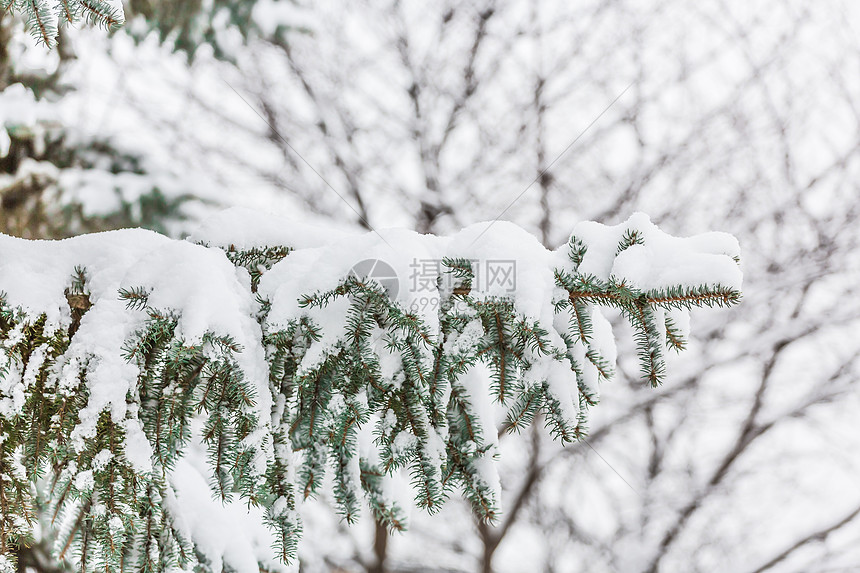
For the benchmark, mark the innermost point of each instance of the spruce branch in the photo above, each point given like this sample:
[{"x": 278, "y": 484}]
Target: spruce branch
[
  {"x": 68, "y": 14},
  {"x": 674, "y": 338},
  {"x": 418, "y": 389},
  {"x": 687, "y": 297},
  {"x": 44, "y": 16},
  {"x": 135, "y": 297},
  {"x": 40, "y": 20},
  {"x": 100, "y": 13},
  {"x": 631, "y": 237}
]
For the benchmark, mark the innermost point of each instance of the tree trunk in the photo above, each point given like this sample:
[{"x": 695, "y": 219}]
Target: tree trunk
[
  {"x": 380, "y": 549},
  {"x": 5, "y": 36},
  {"x": 487, "y": 559}
]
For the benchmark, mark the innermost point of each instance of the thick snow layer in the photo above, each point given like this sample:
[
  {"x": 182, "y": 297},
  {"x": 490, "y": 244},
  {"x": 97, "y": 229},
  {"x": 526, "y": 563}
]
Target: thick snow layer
[
  {"x": 35, "y": 274},
  {"x": 663, "y": 260},
  {"x": 498, "y": 245},
  {"x": 507, "y": 262}
]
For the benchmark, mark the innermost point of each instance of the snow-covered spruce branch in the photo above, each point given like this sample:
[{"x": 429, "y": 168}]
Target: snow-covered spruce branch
[
  {"x": 44, "y": 17},
  {"x": 263, "y": 344}
]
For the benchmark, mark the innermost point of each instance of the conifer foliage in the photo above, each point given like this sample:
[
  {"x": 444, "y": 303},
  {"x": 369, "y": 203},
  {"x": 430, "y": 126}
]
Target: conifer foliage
[
  {"x": 44, "y": 17},
  {"x": 120, "y": 351}
]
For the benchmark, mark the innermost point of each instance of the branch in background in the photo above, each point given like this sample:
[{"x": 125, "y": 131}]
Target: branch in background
[{"x": 818, "y": 536}]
